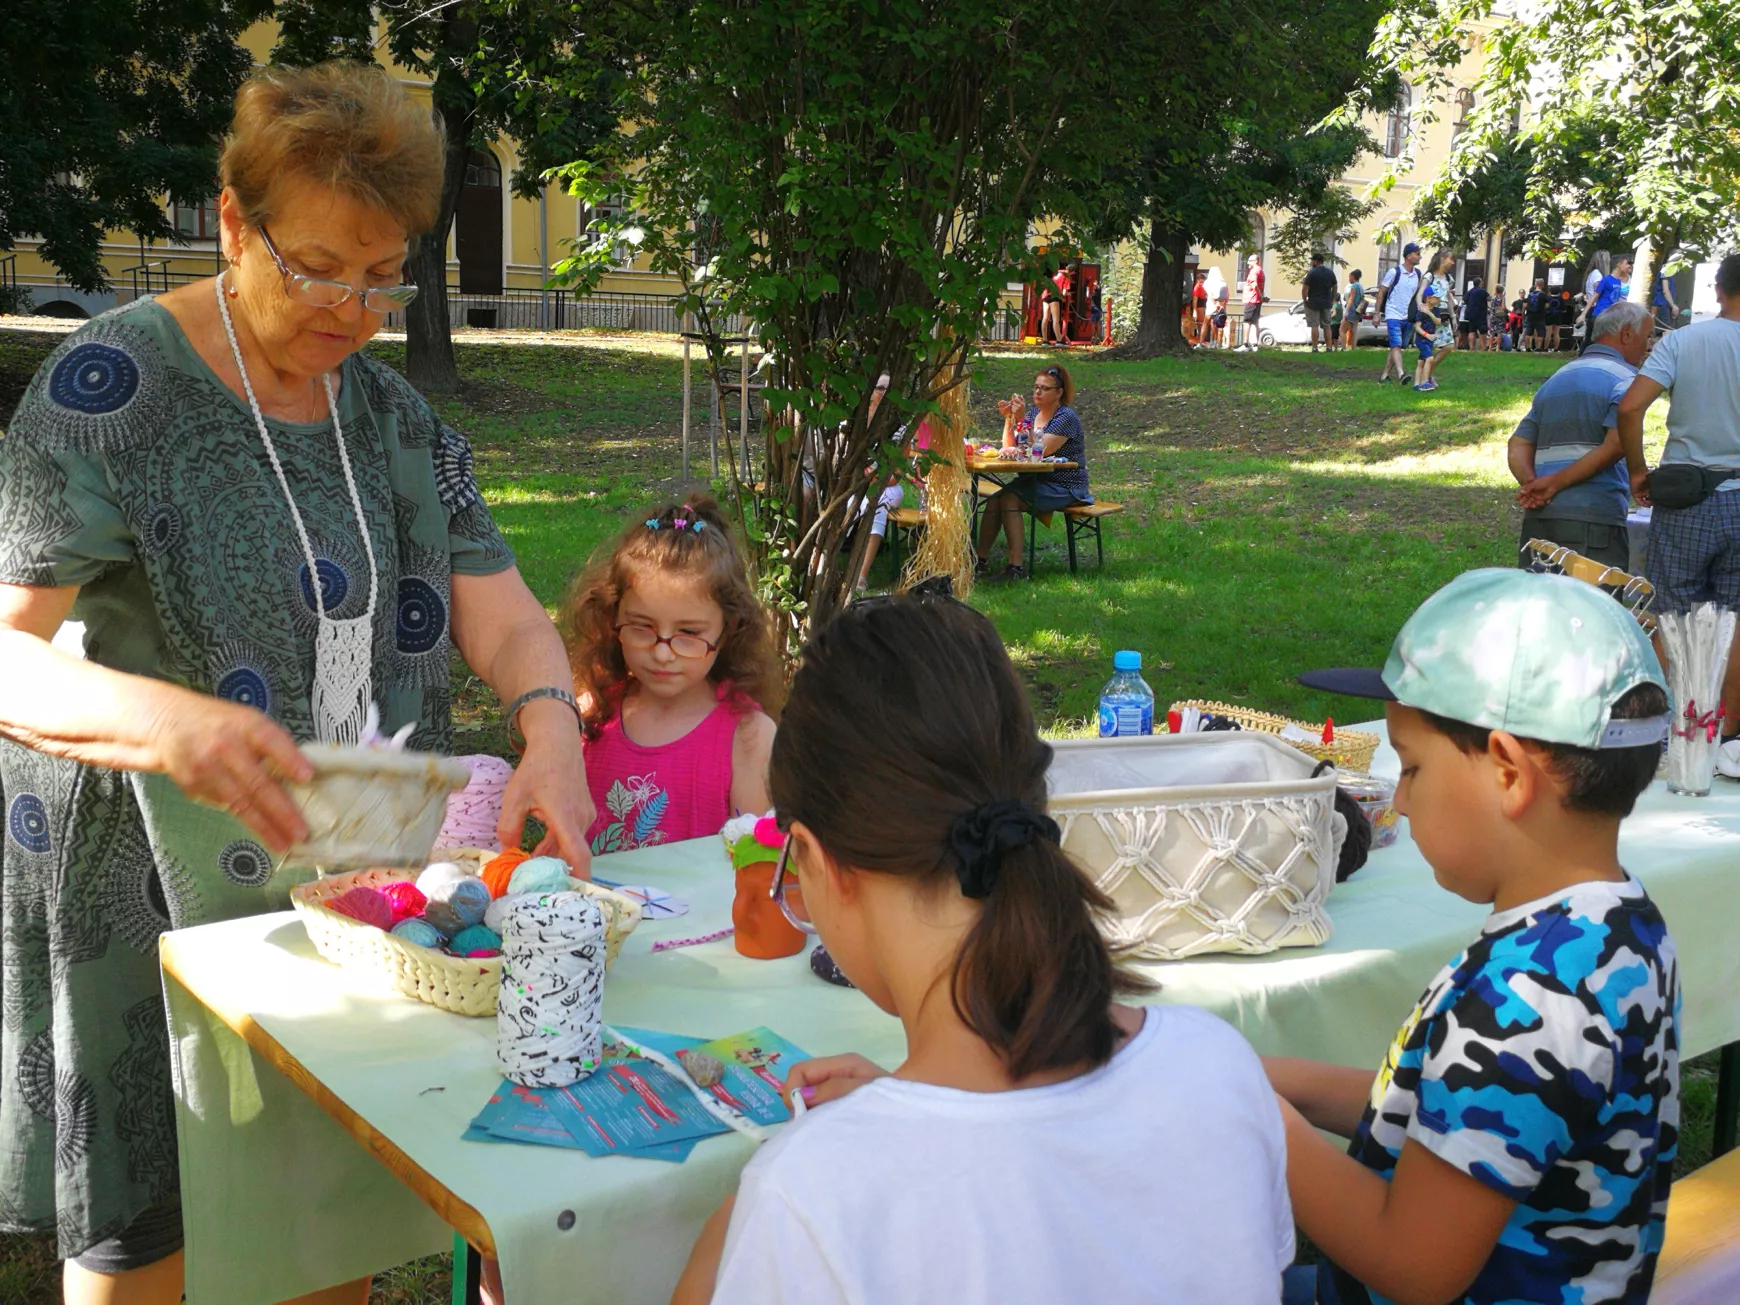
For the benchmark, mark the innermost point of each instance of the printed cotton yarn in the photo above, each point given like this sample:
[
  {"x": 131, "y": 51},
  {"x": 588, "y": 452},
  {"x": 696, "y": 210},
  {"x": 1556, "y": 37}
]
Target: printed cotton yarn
[
  {"x": 549, "y": 1016},
  {"x": 541, "y": 874},
  {"x": 419, "y": 933},
  {"x": 472, "y": 813},
  {"x": 457, "y": 905}
]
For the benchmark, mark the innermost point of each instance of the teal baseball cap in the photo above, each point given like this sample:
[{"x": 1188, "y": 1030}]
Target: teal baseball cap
[{"x": 1542, "y": 657}]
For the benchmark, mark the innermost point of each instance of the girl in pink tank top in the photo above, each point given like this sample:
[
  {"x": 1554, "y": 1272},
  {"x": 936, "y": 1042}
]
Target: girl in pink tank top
[{"x": 675, "y": 669}]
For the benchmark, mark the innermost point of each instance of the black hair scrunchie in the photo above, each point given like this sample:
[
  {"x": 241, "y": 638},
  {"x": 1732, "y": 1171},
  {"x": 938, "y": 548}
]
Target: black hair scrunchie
[{"x": 983, "y": 836}]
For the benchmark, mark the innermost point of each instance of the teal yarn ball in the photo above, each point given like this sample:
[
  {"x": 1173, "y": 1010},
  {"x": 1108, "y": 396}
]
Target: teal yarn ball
[
  {"x": 417, "y": 932},
  {"x": 475, "y": 939},
  {"x": 541, "y": 874},
  {"x": 457, "y": 905}
]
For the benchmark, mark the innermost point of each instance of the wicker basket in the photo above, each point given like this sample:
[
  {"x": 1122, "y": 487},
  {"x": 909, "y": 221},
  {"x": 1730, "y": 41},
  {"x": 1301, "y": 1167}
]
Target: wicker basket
[
  {"x": 1216, "y": 842},
  {"x": 465, "y": 987},
  {"x": 1351, "y": 751},
  {"x": 369, "y": 807}
]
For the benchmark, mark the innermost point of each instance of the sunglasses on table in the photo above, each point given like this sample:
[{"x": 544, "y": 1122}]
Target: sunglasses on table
[{"x": 316, "y": 293}]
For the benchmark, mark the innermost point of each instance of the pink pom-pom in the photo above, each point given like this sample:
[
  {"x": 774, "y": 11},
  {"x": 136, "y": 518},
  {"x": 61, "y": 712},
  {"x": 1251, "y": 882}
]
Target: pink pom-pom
[
  {"x": 366, "y": 905},
  {"x": 405, "y": 899},
  {"x": 767, "y": 832}
]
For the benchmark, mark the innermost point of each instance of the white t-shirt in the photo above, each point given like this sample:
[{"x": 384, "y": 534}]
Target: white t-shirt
[
  {"x": 1403, "y": 285},
  {"x": 1160, "y": 1176},
  {"x": 1700, "y": 364}
]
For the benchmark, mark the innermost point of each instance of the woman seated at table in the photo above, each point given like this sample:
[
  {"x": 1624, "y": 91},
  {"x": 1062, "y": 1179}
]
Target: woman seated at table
[{"x": 1056, "y": 430}]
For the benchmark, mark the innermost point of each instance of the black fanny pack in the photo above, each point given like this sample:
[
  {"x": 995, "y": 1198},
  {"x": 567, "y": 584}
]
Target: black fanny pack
[{"x": 1683, "y": 484}]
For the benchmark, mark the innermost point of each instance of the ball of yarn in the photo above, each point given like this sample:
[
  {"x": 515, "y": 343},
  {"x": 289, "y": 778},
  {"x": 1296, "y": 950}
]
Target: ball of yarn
[
  {"x": 365, "y": 904},
  {"x": 458, "y": 905},
  {"x": 498, "y": 910},
  {"x": 436, "y": 874},
  {"x": 499, "y": 869},
  {"x": 469, "y": 942},
  {"x": 404, "y": 898},
  {"x": 472, "y": 812},
  {"x": 541, "y": 874},
  {"x": 419, "y": 933}
]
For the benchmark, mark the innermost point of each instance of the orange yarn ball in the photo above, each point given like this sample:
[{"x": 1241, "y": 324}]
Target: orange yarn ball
[{"x": 500, "y": 868}]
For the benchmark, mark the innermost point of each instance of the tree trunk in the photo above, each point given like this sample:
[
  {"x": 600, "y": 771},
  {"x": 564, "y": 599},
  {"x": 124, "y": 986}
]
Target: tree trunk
[
  {"x": 1158, "y": 331},
  {"x": 429, "y": 362}
]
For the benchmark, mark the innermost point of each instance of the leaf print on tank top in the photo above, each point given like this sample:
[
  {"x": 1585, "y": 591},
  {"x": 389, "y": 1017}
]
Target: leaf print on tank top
[{"x": 637, "y": 806}]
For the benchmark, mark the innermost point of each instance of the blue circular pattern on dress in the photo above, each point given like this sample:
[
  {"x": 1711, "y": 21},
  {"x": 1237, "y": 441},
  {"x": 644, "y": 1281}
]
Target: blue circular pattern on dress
[
  {"x": 422, "y": 616},
  {"x": 163, "y": 530},
  {"x": 27, "y": 822},
  {"x": 246, "y": 863},
  {"x": 94, "y": 378},
  {"x": 247, "y": 686},
  {"x": 334, "y": 585}
]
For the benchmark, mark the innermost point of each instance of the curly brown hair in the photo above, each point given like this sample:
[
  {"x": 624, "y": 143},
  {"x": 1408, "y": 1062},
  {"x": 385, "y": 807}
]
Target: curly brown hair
[{"x": 655, "y": 540}]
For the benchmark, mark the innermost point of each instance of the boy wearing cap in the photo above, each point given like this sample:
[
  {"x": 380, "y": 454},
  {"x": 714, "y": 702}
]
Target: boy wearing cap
[
  {"x": 1425, "y": 329},
  {"x": 1517, "y": 1144}
]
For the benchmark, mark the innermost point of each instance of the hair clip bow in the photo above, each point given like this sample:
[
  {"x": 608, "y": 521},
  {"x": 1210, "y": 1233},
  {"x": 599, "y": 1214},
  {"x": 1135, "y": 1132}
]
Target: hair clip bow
[{"x": 652, "y": 523}]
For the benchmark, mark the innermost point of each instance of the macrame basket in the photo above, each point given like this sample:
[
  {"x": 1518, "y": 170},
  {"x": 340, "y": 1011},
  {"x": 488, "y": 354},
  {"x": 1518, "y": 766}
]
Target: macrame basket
[
  {"x": 454, "y": 983},
  {"x": 1218, "y": 842},
  {"x": 1350, "y": 750},
  {"x": 369, "y": 807}
]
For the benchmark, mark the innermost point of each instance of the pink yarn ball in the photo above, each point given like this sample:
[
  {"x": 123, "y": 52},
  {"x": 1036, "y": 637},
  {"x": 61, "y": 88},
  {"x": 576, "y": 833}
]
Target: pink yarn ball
[
  {"x": 767, "y": 832},
  {"x": 405, "y": 899},
  {"x": 366, "y": 905},
  {"x": 481, "y": 953}
]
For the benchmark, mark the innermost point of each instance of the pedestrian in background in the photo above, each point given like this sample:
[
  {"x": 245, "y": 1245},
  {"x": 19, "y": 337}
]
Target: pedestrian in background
[
  {"x": 1355, "y": 310},
  {"x": 1474, "y": 306},
  {"x": 1398, "y": 302},
  {"x": 1318, "y": 291},
  {"x": 1255, "y": 282}
]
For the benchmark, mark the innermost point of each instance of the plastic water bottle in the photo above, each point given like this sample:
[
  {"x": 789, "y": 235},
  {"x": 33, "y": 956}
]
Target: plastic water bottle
[
  {"x": 1126, "y": 703},
  {"x": 1023, "y": 436}
]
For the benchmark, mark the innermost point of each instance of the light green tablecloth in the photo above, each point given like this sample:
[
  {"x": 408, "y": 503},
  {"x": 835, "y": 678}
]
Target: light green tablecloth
[{"x": 280, "y": 1200}]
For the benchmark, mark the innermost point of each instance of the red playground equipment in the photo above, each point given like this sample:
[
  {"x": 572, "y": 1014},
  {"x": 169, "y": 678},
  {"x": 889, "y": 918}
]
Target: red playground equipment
[{"x": 1076, "y": 287}]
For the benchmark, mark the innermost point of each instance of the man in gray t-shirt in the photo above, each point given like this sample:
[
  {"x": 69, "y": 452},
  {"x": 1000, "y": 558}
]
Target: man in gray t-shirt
[{"x": 1694, "y": 552}]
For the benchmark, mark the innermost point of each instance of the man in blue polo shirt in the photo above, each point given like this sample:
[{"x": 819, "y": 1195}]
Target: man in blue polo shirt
[{"x": 1566, "y": 453}]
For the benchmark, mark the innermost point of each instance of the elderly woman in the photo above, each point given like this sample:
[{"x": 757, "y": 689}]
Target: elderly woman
[
  {"x": 1056, "y": 431},
  {"x": 263, "y": 531}
]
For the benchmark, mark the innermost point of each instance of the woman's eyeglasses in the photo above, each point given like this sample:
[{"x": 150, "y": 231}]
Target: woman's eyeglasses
[
  {"x": 788, "y": 893},
  {"x": 1047, "y": 387},
  {"x": 314, "y": 292},
  {"x": 643, "y": 638}
]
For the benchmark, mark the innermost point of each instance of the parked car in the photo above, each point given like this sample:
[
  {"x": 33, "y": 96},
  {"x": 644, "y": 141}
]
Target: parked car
[{"x": 1289, "y": 328}]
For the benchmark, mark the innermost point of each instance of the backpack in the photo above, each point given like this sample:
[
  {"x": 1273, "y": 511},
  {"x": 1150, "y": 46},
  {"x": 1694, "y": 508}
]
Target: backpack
[{"x": 1391, "y": 279}]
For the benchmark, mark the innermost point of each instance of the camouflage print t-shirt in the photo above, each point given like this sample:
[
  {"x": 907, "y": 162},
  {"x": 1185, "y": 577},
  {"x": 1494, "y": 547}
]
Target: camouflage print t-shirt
[{"x": 1544, "y": 1062}]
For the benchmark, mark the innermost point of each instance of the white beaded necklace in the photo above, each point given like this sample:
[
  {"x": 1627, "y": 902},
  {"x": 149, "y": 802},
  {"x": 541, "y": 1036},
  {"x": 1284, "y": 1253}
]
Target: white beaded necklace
[{"x": 343, "y": 650}]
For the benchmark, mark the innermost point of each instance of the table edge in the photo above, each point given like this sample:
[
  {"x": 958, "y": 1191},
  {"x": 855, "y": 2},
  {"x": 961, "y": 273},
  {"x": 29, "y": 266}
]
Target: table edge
[{"x": 459, "y": 1215}]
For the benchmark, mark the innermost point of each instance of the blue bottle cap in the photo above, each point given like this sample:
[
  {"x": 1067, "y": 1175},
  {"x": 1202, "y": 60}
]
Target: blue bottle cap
[{"x": 1127, "y": 661}]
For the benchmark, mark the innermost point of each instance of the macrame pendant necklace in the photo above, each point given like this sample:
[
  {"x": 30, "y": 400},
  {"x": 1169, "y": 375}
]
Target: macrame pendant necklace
[{"x": 343, "y": 650}]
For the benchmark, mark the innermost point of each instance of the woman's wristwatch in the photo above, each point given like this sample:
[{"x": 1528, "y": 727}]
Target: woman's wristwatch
[{"x": 517, "y": 740}]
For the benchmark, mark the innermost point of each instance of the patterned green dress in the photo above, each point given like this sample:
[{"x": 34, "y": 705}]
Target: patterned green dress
[{"x": 132, "y": 472}]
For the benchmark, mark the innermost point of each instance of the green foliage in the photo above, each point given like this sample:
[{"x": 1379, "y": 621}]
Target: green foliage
[
  {"x": 856, "y": 179},
  {"x": 1620, "y": 115},
  {"x": 105, "y": 106}
]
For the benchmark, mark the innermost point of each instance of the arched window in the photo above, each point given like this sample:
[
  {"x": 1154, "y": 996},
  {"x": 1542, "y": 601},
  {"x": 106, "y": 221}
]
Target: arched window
[
  {"x": 1396, "y": 124},
  {"x": 1390, "y": 254},
  {"x": 1464, "y": 114},
  {"x": 1253, "y": 246},
  {"x": 482, "y": 169}
]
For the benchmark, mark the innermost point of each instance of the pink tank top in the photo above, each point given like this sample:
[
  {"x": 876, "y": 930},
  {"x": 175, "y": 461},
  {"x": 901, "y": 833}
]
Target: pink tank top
[{"x": 666, "y": 794}]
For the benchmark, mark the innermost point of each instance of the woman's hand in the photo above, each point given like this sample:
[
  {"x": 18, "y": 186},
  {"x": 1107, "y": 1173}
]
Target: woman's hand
[
  {"x": 829, "y": 1078},
  {"x": 234, "y": 758},
  {"x": 550, "y": 783}
]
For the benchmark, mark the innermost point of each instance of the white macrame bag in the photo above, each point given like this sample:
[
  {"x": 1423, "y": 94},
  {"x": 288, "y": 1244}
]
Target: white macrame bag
[{"x": 1220, "y": 842}]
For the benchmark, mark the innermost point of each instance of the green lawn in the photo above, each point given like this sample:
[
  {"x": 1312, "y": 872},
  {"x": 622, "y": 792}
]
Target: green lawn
[{"x": 1285, "y": 512}]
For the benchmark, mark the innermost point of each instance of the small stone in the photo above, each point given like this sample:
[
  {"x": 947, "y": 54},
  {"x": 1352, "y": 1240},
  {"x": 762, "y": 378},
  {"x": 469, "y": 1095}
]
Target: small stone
[{"x": 706, "y": 1071}]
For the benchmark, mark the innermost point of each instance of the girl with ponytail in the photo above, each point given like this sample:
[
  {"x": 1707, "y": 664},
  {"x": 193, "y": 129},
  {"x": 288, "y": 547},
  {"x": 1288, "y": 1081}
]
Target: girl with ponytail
[{"x": 1041, "y": 1141}]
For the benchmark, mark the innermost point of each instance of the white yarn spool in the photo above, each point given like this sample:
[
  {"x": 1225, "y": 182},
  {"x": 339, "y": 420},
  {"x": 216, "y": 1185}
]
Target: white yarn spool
[{"x": 551, "y": 1009}]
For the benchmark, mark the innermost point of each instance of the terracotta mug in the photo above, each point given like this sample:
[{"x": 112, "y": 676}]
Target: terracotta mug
[{"x": 763, "y": 932}]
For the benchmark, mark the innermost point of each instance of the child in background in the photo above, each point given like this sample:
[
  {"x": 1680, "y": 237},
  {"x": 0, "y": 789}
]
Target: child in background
[
  {"x": 1517, "y": 1144},
  {"x": 1426, "y": 331},
  {"x": 676, "y": 673},
  {"x": 1041, "y": 1142}
]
